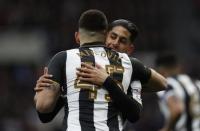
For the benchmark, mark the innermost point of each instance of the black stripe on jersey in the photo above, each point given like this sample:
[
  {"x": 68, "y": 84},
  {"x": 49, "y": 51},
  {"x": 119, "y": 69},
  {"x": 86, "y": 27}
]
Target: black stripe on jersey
[
  {"x": 187, "y": 103},
  {"x": 113, "y": 112},
  {"x": 66, "y": 109},
  {"x": 86, "y": 105}
]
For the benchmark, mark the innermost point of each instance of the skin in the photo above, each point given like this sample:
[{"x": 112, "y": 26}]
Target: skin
[
  {"x": 119, "y": 39},
  {"x": 46, "y": 88},
  {"x": 96, "y": 75}
]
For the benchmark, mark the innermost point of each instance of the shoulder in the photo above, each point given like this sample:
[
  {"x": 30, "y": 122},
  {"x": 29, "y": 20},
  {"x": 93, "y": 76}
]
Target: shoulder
[
  {"x": 60, "y": 55},
  {"x": 134, "y": 60},
  {"x": 136, "y": 63}
]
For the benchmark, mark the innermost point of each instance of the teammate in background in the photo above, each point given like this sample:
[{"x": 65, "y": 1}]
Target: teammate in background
[
  {"x": 92, "y": 107},
  {"x": 180, "y": 103}
]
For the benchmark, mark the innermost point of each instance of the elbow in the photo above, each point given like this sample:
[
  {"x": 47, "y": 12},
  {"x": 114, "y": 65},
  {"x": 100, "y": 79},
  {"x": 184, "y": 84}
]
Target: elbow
[
  {"x": 43, "y": 107},
  {"x": 164, "y": 84},
  {"x": 45, "y": 117},
  {"x": 45, "y": 120}
]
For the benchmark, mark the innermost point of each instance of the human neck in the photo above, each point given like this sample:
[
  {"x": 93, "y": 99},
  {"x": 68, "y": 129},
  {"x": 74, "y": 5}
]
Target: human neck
[{"x": 92, "y": 39}]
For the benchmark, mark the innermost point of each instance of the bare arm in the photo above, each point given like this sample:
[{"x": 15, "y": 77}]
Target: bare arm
[
  {"x": 157, "y": 82},
  {"x": 151, "y": 80},
  {"x": 47, "y": 93}
]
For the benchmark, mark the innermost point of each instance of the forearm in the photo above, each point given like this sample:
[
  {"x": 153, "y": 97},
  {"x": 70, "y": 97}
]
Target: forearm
[
  {"x": 128, "y": 106},
  {"x": 46, "y": 99},
  {"x": 156, "y": 83},
  {"x": 47, "y": 117}
]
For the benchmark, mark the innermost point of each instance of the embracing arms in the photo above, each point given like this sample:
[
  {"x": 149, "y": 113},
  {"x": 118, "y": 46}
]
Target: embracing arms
[{"x": 129, "y": 107}]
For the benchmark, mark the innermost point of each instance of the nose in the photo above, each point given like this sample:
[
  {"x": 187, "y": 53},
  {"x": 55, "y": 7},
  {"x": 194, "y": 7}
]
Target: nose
[{"x": 115, "y": 43}]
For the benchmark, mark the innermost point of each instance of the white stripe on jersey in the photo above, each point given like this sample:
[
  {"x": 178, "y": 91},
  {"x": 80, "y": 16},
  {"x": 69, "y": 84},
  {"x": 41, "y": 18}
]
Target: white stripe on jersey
[
  {"x": 136, "y": 88},
  {"x": 126, "y": 63},
  {"x": 194, "y": 101},
  {"x": 100, "y": 106},
  {"x": 72, "y": 62}
]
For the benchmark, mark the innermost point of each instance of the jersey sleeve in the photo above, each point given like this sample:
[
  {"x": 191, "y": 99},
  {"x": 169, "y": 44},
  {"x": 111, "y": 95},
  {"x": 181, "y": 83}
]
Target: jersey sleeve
[
  {"x": 140, "y": 72},
  {"x": 56, "y": 67},
  {"x": 129, "y": 107}
]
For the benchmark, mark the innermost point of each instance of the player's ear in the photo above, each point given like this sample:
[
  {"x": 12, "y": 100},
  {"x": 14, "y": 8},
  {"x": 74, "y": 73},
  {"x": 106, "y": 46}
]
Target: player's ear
[{"x": 77, "y": 39}]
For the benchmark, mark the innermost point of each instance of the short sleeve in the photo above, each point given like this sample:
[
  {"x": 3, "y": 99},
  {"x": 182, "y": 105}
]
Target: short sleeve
[
  {"x": 56, "y": 67},
  {"x": 140, "y": 72}
]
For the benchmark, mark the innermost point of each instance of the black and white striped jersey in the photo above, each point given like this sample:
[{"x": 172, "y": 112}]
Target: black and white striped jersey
[
  {"x": 87, "y": 106},
  {"x": 185, "y": 89}
]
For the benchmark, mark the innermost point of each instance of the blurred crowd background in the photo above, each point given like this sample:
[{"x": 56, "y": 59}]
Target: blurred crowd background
[{"x": 32, "y": 31}]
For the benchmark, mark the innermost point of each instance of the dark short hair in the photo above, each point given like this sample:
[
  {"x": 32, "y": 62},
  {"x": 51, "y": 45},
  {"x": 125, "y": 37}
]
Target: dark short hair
[
  {"x": 130, "y": 26},
  {"x": 166, "y": 60},
  {"x": 93, "y": 20}
]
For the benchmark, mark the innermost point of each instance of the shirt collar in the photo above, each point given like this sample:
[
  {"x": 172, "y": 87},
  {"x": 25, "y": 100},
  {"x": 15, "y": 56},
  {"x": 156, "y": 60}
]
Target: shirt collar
[{"x": 93, "y": 44}]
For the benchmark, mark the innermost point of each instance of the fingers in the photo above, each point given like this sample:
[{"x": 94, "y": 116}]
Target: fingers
[
  {"x": 82, "y": 74},
  {"x": 36, "y": 89},
  {"x": 45, "y": 80},
  {"x": 46, "y": 73},
  {"x": 86, "y": 70},
  {"x": 86, "y": 79},
  {"x": 45, "y": 70},
  {"x": 98, "y": 66},
  {"x": 41, "y": 85},
  {"x": 87, "y": 65},
  {"x": 45, "y": 76}
]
